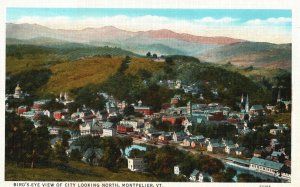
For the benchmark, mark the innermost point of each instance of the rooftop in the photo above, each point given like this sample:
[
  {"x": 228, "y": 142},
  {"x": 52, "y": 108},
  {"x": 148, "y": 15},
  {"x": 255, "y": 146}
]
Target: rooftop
[
  {"x": 195, "y": 172},
  {"x": 238, "y": 160},
  {"x": 138, "y": 147},
  {"x": 266, "y": 163},
  {"x": 257, "y": 107}
]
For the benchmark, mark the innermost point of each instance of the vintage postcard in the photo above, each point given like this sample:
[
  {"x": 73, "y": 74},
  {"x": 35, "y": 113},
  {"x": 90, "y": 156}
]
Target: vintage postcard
[{"x": 100, "y": 96}]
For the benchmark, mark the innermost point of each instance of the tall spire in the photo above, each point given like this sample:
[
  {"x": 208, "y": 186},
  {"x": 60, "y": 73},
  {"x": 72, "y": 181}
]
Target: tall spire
[
  {"x": 279, "y": 96},
  {"x": 247, "y": 104},
  {"x": 66, "y": 96},
  {"x": 242, "y": 99}
]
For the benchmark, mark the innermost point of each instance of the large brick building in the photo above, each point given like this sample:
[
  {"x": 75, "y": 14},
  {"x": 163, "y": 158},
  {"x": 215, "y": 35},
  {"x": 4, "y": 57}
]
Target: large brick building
[
  {"x": 123, "y": 129},
  {"x": 22, "y": 109}
]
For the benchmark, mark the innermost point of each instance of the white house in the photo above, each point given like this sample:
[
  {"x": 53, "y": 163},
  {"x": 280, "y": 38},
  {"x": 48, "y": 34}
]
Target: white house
[
  {"x": 176, "y": 170},
  {"x": 240, "y": 151},
  {"x": 194, "y": 175},
  {"x": 201, "y": 177},
  {"x": 91, "y": 127},
  {"x": 275, "y": 131},
  {"x": 136, "y": 164},
  {"x": 47, "y": 113},
  {"x": 231, "y": 148},
  {"x": 214, "y": 147},
  {"x": 109, "y": 132},
  {"x": 53, "y": 130}
]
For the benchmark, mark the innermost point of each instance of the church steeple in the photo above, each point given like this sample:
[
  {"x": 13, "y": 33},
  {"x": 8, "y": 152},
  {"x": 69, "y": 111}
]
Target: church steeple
[
  {"x": 247, "y": 104},
  {"x": 279, "y": 96},
  {"x": 66, "y": 96},
  {"x": 242, "y": 99}
]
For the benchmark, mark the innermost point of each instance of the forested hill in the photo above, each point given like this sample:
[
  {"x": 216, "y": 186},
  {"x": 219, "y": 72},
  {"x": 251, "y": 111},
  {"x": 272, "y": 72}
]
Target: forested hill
[
  {"x": 70, "y": 51},
  {"x": 46, "y": 71}
]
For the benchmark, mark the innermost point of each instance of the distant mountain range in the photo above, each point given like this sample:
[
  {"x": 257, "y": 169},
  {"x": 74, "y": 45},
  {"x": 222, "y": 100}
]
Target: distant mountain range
[
  {"x": 164, "y": 42},
  {"x": 161, "y": 42}
]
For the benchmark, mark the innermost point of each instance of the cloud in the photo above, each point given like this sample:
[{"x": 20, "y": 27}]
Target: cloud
[
  {"x": 273, "y": 28},
  {"x": 272, "y": 21},
  {"x": 211, "y": 20},
  {"x": 37, "y": 19}
]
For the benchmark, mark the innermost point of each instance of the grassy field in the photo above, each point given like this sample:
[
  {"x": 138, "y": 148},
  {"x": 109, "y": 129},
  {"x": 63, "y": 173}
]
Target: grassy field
[
  {"x": 75, "y": 74},
  {"x": 12, "y": 173},
  {"x": 137, "y": 64},
  {"x": 69, "y": 74}
]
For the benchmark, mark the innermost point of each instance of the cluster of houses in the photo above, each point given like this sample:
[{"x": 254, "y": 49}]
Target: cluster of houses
[
  {"x": 195, "y": 176},
  {"x": 96, "y": 123}
]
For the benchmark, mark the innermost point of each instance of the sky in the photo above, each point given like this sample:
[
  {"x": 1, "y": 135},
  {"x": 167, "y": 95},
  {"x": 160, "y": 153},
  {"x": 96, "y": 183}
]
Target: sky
[{"x": 255, "y": 25}]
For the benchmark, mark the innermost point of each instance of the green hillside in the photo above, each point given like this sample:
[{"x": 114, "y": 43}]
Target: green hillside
[
  {"x": 75, "y": 74},
  {"x": 25, "y": 57},
  {"x": 258, "y": 54},
  {"x": 68, "y": 69}
]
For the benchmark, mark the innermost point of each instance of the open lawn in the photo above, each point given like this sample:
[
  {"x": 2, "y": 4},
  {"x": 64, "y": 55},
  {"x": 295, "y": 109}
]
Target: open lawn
[{"x": 93, "y": 173}]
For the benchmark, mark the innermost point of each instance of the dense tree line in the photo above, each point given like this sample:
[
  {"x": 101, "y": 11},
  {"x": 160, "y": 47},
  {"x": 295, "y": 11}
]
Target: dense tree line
[
  {"x": 111, "y": 146},
  {"x": 24, "y": 144},
  {"x": 87, "y": 96},
  {"x": 214, "y": 131},
  {"x": 161, "y": 162},
  {"x": 28, "y": 146},
  {"x": 30, "y": 81}
]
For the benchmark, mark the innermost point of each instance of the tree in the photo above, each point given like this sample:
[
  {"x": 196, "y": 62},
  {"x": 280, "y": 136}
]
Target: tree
[
  {"x": 169, "y": 61},
  {"x": 187, "y": 165},
  {"x": 280, "y": 107},
  {"x": 88, "y": 96},
  {"x": 42, "y": 146},
  {"x": 124, "y": 64},
  {"x": 148, "y": 54},
  {"x": 111, "y": 158},
  {"x": 26, "y": 144},
  {"x": 60, "y": 152},
  {"x": 228, "y": 174},
  {"x": 76, "y": 155},
  {"x": 244, "y": 177},
  {"x": 161, "y": 161},
  {"x": 73, "y": 106},
  {"x": 136, "y": 153},
  {"x": 53, "y": 106},
  {"x": 46, "y": 121},
  {"x": 115, "y": 119},
  {"x": 128, "y": 110},
  {"x": 209, "y": 164},
  {"x": 65, "y": 137},
  {"x": 144, "y": 74},
  {"x": 154, "y": 55}
]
